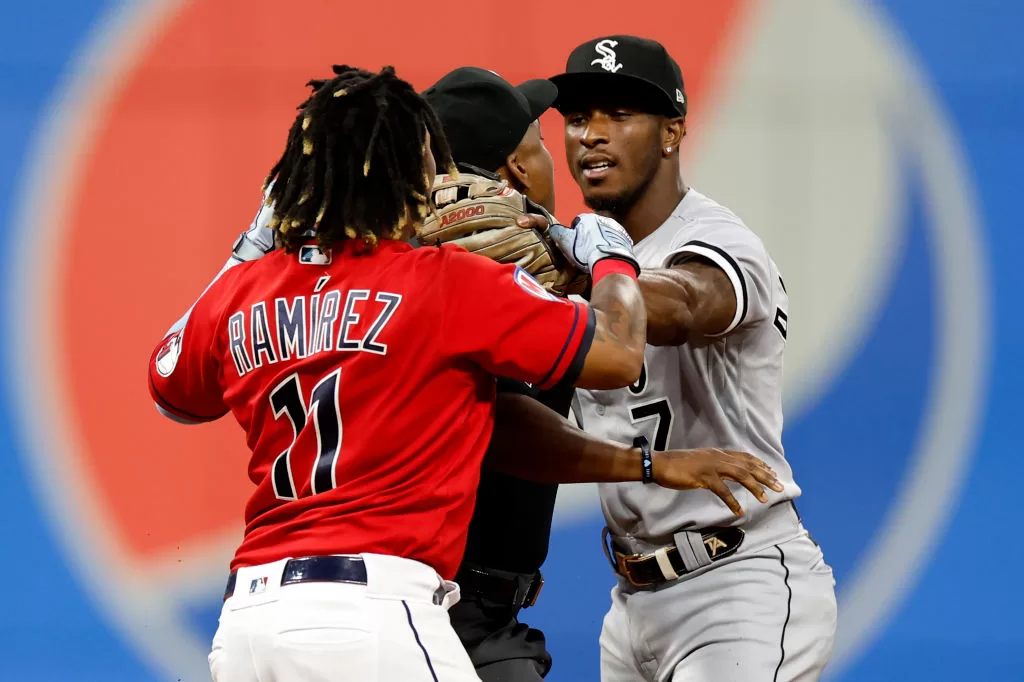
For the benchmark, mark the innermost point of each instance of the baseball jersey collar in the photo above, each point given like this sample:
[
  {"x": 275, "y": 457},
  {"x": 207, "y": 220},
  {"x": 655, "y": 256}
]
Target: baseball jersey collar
[{"x": 679, "y": 212}]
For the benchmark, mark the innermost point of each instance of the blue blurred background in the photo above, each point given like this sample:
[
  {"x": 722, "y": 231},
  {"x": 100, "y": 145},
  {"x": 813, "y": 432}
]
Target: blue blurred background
[{"x": 874, "y": 146}]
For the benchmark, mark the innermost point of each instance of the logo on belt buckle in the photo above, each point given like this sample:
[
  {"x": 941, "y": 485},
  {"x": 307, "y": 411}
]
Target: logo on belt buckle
[
  {"x": 719, "y": 548},
  {"x": 714, "y": 544}
]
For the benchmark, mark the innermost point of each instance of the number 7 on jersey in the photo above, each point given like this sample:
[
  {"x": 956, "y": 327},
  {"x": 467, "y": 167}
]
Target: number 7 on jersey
[{"x": 661, "y": 412}]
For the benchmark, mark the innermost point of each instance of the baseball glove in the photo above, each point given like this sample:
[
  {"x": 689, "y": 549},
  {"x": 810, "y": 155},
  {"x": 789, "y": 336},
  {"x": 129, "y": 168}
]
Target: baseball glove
[{"x": 478, "y": 212}]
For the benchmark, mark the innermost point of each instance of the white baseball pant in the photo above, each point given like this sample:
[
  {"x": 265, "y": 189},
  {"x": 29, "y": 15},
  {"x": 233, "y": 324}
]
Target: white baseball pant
[
  {"x": 395, "y": 627},
  {"x": 766, "y": 615}
]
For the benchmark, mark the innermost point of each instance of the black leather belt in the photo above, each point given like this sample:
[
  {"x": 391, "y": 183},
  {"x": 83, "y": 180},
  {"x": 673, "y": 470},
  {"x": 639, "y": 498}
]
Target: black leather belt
[
  {"x": 645, "y": 570},
  {"x": 516, "y": 590},
  {"x": 314, "y": 569}
]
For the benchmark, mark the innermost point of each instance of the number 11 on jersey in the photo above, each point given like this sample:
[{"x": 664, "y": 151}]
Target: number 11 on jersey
[{"x": 286, "y": 400}]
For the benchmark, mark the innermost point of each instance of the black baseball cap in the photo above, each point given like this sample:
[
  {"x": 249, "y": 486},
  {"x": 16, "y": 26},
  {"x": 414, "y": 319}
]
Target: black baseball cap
[
  {"x": 637, "y": 70},
  {"x": 484, "y": 116}
]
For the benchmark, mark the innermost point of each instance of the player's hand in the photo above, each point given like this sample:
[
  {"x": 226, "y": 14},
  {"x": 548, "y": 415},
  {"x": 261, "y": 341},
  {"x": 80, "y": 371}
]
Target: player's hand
[
  {"x": 533, "y": 221},
  {"x": 258, "y": 240},
  {"x": 592, "y": 238},
  {"x": 709, "y": 468}
]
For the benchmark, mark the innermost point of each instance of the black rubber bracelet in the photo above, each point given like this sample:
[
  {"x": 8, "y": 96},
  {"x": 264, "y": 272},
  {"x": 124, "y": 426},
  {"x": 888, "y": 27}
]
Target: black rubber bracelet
[{"x": 646, "y": 460}]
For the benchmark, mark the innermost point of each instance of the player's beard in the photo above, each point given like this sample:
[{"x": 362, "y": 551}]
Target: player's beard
[{"x": 619, "y": 205}]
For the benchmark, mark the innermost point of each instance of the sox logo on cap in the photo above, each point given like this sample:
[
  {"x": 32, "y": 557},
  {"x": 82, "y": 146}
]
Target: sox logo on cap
[{"x": 607, "y": 59}]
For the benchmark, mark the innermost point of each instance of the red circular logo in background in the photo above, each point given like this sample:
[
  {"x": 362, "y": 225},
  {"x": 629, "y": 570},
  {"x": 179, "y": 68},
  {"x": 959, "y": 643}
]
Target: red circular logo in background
[
  {"x": 173, "y": 174},
  {"x": 153, "y": 165}
]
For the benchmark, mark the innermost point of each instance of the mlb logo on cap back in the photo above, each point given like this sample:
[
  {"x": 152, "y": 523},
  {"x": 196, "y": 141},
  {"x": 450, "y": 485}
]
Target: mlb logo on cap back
[{"x": 639, "y": 68}]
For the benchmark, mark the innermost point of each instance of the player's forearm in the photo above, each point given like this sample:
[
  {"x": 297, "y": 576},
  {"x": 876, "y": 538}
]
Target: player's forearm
[
  {"x": 533, "y": 442},
  {"x": 686, "y": 301},
  {"x": 620, "y": 336},
  {"x": 669, "y": 301}
]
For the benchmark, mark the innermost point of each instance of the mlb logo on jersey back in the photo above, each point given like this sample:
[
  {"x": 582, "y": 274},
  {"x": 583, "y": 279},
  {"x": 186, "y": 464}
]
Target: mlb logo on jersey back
[
  {"x": 312, "y": 255},
  {"x": 258, "y": 585},
  {"x": 531, "y": 286}
]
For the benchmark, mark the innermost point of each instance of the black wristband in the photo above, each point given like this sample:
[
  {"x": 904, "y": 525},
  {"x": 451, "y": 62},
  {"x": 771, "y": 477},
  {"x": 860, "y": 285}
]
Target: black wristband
[{"x": 646, "y": 460}]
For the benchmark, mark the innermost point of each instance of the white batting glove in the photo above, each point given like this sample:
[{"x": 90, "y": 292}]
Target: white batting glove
[
  {"x": 593, "y": 238},
  {"x": 258, "y": 240}
]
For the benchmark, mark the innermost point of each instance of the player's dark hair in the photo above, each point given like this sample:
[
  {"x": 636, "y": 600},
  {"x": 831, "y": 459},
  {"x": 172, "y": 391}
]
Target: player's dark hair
[{"x": 353, "y": 167}]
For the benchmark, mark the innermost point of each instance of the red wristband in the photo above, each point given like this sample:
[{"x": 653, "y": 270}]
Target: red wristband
[{"x": 612, "y": 266}]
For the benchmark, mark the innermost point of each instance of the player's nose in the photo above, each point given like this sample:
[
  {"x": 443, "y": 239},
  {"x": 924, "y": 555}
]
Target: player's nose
[{"x": 596, "y": 131}]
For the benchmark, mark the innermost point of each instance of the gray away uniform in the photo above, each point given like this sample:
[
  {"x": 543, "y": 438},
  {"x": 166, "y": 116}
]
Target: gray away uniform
[{"x": 767, "y": 612}]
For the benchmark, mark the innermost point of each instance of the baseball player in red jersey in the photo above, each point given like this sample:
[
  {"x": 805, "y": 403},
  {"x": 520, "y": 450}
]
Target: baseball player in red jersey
[{"x": 362, "y": 371}]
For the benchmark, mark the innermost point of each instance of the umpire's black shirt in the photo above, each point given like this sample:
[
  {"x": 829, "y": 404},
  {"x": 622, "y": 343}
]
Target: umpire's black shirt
[{"x": 511, "y": 522}]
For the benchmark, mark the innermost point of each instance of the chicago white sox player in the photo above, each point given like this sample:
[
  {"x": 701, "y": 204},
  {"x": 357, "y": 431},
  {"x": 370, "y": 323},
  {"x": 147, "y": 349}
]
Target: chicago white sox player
[{"x": 702, "y": 595}]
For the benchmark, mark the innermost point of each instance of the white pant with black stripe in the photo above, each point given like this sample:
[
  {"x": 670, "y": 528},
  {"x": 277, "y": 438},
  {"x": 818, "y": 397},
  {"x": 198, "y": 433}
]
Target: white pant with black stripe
[
  {"x": 392, "y": 628},
  {"x": 767, "y": 615}
]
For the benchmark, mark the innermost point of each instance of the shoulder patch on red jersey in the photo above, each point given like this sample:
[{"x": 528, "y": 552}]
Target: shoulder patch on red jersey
[
  {"x": 167, "y": 356},
  {"x": 528, "y": 284}
]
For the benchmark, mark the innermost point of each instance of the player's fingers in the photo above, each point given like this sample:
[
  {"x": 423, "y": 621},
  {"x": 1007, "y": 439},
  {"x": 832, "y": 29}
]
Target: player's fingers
[
  {"x": 745, "y": 478},
  {"x": 743, "y": 459},
  {"x": 718, "y": 487},
  {"x": 768, "y": 478},
  {"x": 753, "y": 462},
  {"x": 533, "y": 220},
  {"x": 760, "y": 471},
  {"x": 755, "y": 466}
]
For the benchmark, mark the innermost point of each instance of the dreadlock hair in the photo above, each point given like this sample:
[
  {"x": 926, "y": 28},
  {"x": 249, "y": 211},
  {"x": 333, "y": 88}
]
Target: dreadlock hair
[{"x": 353, "y": 165}]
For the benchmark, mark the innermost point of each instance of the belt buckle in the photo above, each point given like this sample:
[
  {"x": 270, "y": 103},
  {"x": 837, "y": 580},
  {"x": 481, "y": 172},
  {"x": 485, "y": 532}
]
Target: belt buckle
[
  {"x": 716, "y": 547},
  {"x": 618, "y": 559},
  {"x": 533, "y": 592},
  {"x": 622, "y": 561}
]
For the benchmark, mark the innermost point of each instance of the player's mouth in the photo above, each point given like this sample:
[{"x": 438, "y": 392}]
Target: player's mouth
[{"x": 595, "y": 167}]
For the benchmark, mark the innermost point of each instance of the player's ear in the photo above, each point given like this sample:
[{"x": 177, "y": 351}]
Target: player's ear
[
  {"x": 673, "y": 131},
  {"x": 515, "y": 173}
]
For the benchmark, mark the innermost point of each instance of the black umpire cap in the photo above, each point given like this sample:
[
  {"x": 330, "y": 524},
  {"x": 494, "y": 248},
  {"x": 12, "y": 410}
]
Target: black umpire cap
[
  {"x": 484, "y": 116},
  {"x": 626, "y": 69}
]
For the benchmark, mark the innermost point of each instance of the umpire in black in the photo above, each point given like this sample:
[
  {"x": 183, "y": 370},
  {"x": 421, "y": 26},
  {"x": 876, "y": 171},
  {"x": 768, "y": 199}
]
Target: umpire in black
[{"x": 492, "y": 128}]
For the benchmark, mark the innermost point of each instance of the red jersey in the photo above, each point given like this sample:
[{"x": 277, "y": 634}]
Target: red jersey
[{"x": 365, "y": 384}]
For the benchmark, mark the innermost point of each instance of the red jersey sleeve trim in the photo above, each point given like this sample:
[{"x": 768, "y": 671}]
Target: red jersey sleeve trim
[
  {"x": 569, "y": 362},
  {"x": 178, "y": 412}
]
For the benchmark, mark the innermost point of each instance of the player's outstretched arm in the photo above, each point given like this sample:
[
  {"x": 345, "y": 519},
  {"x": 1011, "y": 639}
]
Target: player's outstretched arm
[
  {"x": 533, "y": 442},
  {"x": 602, "y": 248},
  {"x": 691, "y": 300},
  {"x": 686, "y": 301}
]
